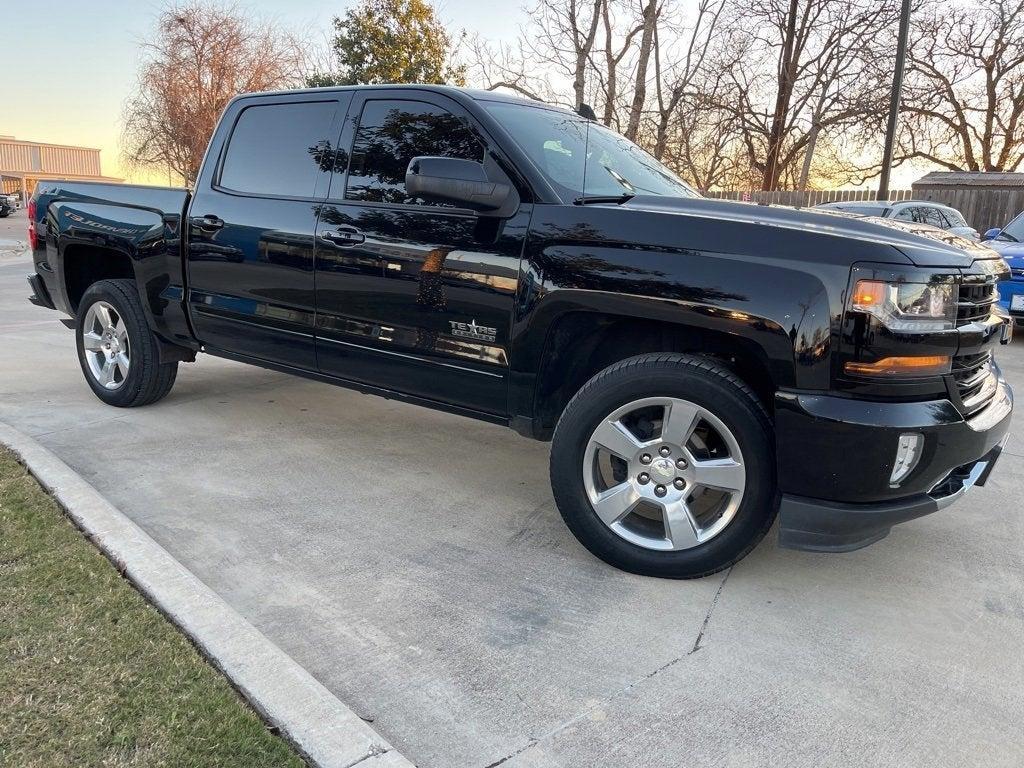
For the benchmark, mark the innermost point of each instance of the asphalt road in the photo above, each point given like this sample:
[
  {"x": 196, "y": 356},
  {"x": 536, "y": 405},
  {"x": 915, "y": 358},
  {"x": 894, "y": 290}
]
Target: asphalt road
[{"x": 415, "y": 564}]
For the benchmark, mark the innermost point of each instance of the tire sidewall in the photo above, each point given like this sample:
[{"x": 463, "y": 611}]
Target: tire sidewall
[
  {"x": 688, "y": 382},
  {"x": 127, "y": 392}
]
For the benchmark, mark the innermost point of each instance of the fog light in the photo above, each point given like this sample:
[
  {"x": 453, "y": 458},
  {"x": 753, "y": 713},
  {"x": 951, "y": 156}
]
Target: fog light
[{"x": 908, "y": 453}]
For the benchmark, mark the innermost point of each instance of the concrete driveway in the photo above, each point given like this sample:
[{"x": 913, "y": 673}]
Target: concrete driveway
[
  {"x": 13, "y": 233},
  {"x": 415, "y": 564}
]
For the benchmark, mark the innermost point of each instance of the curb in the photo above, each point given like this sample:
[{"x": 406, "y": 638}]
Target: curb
[{"x": 324, "y": 731}]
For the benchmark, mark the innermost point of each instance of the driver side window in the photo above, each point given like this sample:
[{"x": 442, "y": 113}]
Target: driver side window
[{"x": 390, "y": 134}]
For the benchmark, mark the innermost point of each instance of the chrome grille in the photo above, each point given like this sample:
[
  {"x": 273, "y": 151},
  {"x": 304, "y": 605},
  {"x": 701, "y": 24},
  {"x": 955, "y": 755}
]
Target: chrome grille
[
  {"x": 976, "y": 382},
  {"x": 976, "y": 300}
]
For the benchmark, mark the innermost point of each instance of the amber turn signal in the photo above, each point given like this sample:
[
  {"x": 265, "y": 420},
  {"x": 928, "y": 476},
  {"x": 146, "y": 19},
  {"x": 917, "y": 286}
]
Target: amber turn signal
[
  {"x": 908, "y": 366},
  {"x": 869, "y": 294}
]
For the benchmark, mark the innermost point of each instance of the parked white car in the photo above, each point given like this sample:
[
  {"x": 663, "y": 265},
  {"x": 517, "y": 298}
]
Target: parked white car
[{"x": 918, "y": 211}]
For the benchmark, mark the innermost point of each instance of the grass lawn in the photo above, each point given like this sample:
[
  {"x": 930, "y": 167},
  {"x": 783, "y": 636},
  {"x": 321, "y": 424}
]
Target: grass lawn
[{"x": 90, "y": 673}]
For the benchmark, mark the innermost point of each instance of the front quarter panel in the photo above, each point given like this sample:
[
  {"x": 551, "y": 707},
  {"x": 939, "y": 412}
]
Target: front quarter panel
[{"x": 675, "y": 270}]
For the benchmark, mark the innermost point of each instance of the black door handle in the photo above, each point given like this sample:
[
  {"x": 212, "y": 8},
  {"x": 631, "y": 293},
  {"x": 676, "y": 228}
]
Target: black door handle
[
  {"x": 343, "y": 236},
  {"x": 208, "y": 223}
]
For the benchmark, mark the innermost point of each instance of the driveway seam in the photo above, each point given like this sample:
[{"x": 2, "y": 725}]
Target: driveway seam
[
  {"x": 322, "y": 729},
  {"x": 535, "y": 740}
]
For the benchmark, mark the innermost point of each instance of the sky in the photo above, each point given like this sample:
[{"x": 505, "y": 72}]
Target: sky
[{"x": 70, "y": 65}]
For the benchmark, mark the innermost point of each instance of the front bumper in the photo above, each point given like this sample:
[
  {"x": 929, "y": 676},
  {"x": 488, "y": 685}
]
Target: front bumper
[{"x": 836, "y": 457}]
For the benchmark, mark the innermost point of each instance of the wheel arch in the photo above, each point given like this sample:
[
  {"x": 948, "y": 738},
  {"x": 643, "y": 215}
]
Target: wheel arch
[
  {"x": 581, "y": 340},
  {"x": 83, "y": 264},
  {"x": 100, "y": 241}
]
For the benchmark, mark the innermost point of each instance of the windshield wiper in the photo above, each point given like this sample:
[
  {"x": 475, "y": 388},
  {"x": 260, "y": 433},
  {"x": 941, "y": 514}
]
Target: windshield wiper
[{"x": 625, "y": 197}]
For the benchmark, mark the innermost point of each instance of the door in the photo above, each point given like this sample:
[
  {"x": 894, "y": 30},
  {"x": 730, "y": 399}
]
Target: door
[
  {"x": 413, "y": 296},
  {"x": 252, "y": 228}
]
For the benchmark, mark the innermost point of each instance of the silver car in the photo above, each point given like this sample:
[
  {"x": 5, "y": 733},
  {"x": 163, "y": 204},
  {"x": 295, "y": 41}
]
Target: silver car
[{"x": 918, "y": 211}]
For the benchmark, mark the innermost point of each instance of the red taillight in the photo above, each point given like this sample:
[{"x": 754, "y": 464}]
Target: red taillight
[{"x": 32, "y": 237}]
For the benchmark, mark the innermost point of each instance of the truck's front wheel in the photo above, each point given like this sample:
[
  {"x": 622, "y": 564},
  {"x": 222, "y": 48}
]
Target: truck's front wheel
[
  {"x": 117, "y": 350},
  {"x": 663, "y": 465}
]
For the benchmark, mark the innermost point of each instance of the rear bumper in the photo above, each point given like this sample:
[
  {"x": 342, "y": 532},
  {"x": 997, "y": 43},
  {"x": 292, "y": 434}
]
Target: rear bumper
[
  {"x": 838, "y": 497},
  {"x": 40, "y": 295}
]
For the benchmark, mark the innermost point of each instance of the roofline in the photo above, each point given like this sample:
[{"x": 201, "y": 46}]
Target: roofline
[
  {"x": 476, "y": 94},
  {"x": 46, "y": 176},
  {"x": 889, "y": 203},
  {"x": 48, "y": 144}
]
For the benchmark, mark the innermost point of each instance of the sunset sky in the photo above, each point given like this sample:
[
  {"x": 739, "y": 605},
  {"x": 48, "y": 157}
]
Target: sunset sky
[{"x": 70, "y": 65}]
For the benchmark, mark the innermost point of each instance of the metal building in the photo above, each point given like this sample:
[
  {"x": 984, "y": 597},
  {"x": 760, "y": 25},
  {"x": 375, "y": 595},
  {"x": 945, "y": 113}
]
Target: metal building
[{"x": 24, "y": 163}]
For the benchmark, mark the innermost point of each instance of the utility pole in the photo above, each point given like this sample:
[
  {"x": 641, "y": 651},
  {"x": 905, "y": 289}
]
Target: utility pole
[{"x": 894, "y": 103}]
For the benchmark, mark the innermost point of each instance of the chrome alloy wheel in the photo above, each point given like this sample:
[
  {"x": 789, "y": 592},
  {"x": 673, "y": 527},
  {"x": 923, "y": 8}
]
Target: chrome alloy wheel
[
  {"x": 664, "y": 473},
  {"x": 106, "y": 345}
]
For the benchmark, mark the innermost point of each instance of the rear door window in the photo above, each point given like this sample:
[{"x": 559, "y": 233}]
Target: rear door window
[
  {"x": 390, "y": 134},
  {"x": 275, "y": 149},
  {"x": 934, "y": 217}
]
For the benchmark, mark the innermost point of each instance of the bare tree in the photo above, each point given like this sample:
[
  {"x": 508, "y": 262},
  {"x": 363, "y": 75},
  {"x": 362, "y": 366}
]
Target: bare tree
[
  {"x": 805, "y": 67},
  {"x": 964, "y": 95},
  {"x": 688, "y": 84},
  {"x": 614, "y": 53},
  {"x": 562, "y": 35},
  {"x": 199, "y": 57},
  {"x": 650, "y": 16}
]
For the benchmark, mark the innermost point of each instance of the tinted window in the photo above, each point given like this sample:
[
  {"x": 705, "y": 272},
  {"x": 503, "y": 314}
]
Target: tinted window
[
  {"x": 934, "y": 217},
  {"x": 274, "y": 149},
  {"x": 391, "y": 133},
  {"x": 906, "y": 214}
]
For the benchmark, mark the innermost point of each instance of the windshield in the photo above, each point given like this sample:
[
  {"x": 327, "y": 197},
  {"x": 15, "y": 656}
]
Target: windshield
[
  {"x": 1014, "y": 230},
  {"x": 557, "y": 142},
  {"x": 955, "y": 217}
]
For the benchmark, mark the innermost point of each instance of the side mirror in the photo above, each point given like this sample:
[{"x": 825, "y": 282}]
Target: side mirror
[
  {"x": 451, "y": 180},
  {"x": 992, "y": 234}
]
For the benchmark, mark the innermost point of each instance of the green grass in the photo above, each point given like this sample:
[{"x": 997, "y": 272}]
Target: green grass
[{"x": 90, "y": 673}]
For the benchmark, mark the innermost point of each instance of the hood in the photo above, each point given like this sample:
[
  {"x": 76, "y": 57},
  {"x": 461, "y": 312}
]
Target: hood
[
  {"x": 1012, "y": 253},
  {"x": 924, "y": 245},
  {"x": 1006, "y": 248}
]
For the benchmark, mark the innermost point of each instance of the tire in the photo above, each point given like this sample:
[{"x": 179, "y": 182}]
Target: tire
[
  {"x": 143, "y": 380},
  {"x": 730, "y": 441}
]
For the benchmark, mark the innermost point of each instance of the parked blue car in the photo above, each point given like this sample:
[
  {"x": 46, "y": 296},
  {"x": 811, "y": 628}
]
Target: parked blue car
[{"x": 1009, "y": 241}]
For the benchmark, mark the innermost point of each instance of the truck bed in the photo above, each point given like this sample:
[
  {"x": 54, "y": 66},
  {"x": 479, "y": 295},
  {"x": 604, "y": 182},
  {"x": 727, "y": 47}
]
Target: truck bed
[{"x": 77, "y": 221}]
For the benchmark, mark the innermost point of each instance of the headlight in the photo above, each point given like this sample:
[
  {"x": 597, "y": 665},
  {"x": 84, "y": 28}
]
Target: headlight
[{"x": 908, "y": 307}]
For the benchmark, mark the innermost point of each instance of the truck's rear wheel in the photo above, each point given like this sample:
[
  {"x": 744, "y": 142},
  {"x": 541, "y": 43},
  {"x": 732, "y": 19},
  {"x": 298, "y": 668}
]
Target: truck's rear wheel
[
  {"x": 117, "y": 350},
  {"x": 664, "y": 465}
]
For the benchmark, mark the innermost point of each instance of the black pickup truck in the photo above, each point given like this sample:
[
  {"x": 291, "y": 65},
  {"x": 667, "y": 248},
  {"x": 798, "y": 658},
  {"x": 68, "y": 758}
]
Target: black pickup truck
[{"x": 698, "y": 365}]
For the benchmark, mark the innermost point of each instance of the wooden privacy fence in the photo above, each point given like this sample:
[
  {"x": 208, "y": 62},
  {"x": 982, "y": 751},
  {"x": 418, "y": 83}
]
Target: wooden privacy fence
[
  {"x": 983, "y": 208},
  {"x": 808, "y": 198}
]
